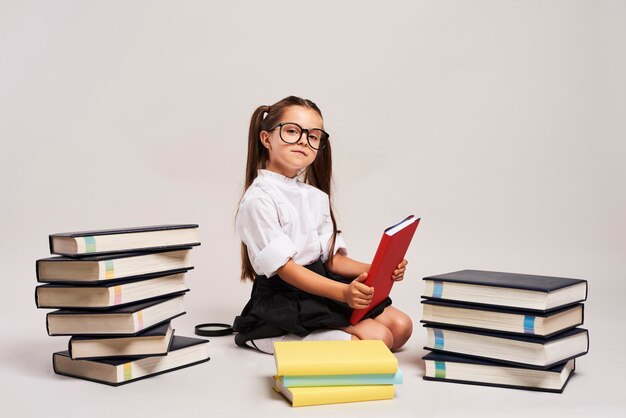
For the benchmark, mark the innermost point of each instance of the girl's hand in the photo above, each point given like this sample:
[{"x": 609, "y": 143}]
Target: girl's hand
[
  {"x": 357, "y": 294},
  {"x": 398, "y": 274}
]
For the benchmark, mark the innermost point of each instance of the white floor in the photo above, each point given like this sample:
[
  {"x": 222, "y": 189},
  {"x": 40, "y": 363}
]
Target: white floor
[{"x": 237, "y": 382}]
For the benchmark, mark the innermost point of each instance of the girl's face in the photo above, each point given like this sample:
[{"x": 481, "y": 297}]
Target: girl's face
[{"x": 290, "y": 159}]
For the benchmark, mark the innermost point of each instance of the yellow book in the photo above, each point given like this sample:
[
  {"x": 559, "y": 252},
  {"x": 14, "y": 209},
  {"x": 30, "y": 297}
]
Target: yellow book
[
  {"x": 323, "y": 395},
  {"x": 318, "y": 358}
]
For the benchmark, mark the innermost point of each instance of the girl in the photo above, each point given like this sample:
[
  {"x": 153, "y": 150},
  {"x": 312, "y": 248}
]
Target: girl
[{"x": 291, "y": 248}]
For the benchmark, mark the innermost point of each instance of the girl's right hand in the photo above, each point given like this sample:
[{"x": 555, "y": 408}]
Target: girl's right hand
[{"x": 357, "y": 294}]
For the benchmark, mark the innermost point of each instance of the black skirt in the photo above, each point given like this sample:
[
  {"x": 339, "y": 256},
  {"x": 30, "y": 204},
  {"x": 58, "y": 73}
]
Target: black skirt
[{"x": 277, "y": 308}]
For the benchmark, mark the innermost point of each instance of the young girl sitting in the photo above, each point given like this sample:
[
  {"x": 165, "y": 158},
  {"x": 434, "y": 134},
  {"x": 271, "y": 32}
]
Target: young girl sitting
[{"x": 305, "y": 286}]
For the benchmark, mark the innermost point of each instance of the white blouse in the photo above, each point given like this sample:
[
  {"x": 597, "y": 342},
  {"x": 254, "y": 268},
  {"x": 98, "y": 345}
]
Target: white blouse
[{"x": 281, "y": 218}]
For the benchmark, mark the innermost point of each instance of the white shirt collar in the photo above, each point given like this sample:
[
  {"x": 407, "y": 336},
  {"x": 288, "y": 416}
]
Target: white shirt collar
[{"x": 272, "y": 175}]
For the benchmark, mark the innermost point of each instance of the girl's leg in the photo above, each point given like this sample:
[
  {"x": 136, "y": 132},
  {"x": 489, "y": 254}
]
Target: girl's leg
[
  {"x": 398, "y": 323},
  {"x": 369, "y": 329},
  {"x": 266, "y": 345}
]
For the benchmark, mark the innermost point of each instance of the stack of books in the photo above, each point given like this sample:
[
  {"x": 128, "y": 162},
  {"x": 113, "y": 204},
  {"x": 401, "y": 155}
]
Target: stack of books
[
  {"x": 504, "y": 329},
  {"x": 330, "y": 372},
  {"x": 115, "y": 293}
]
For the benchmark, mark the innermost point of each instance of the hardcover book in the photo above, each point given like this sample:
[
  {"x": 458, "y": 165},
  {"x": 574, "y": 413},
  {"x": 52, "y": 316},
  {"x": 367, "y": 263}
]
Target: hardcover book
[
  {"x": 521, "y": 291},
  {"x": 522, "y": 350},
  {"x": 97, "y": 269},
  {"x": 323, "y": 395},
  {"x": 459, "y": 369},
  {"x": 502, "y": 319},
  {"x": 106, "y": 295},
  {"x": 123, "y": 321},
  {"x": 390, "y": 252},
  {"x": 341, "y": 380},
  {"x": 124, "y": 239},
  {"x": 184, "y": 352},
  {"x": 153, "y": 342},
  {"x": 319, "y": 358}
]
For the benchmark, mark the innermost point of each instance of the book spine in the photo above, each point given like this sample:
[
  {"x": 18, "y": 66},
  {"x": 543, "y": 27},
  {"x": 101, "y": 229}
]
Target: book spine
[
  {"x": 37, "y": 271},
  {"x": 69, "y": 348},
  {"x": 48, "y": 323},
  {"x": 37, "y": 296},
  {"x": 582, "y": 315},
  {"x": 54, "y": 363},
  {"x": 380, "y": 252}
]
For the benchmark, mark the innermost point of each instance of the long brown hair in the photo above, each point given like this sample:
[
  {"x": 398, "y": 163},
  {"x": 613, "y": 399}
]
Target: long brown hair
[{"x": 318, "y": 174}]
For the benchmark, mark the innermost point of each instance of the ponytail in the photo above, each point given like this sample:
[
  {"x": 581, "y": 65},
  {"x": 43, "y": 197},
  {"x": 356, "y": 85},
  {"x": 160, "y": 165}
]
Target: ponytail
[{"x": 258, "y": 155}]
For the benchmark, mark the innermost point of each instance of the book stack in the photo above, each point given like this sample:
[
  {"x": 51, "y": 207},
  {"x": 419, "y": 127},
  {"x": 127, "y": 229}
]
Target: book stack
[
  {"x": 330, "y": 372},
  {"x": 115, "y": 293},
  {"x": 504, "y": 329}
]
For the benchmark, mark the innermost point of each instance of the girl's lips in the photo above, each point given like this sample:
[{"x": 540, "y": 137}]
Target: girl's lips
[{"x": 300, "y": 152}]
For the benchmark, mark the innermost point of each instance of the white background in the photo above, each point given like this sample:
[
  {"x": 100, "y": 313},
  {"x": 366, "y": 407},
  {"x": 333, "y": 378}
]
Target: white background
[{"x": 500, "y": 123}]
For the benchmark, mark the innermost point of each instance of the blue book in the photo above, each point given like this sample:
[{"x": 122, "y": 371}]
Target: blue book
[{"x": 342, "y": 380}]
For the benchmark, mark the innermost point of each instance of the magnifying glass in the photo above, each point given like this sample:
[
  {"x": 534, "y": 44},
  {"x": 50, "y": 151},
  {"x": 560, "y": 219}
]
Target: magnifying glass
[{"x": 213, "y": 329}]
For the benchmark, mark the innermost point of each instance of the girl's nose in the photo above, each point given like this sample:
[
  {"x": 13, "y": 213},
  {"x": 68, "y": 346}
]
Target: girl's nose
[{"x": 303, "y": 138}]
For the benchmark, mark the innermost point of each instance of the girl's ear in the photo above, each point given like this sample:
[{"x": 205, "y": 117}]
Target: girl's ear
[{"x": 265, "y": 139}]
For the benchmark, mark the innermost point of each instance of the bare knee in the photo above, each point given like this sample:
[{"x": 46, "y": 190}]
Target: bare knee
[
  {"x": 384, "y": 334},
  {"x": 399, "y": 323},
  {"x": 372, "y": 330},
  {"x": 402, "y": 329}
]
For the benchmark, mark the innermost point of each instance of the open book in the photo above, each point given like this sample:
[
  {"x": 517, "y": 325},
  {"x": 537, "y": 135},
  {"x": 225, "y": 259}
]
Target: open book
[{"x": 391, "y": 251}]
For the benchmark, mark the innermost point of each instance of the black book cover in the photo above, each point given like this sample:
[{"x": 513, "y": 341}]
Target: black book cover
[
  {"x": 121, "y": 279},
  {"x": 509, "y": 280},
  {"x": 159, "y": 330},
  {"x": 117, "y": 231},
  {"x": 103, "y": 257},
  {"x": 179, "y": 342},
  {"x": 504, "y": 311},
  {"x": 123, "y": 230},
  {"x": 113, "y": 283},
  {"x": 127, "y": 309},
  {"x": 513, "y": 337},
  {"x": 462, "y": 359}
]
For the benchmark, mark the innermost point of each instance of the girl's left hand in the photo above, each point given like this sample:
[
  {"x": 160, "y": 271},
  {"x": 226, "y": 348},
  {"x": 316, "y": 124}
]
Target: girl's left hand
[{"x": 398, "y": 274}]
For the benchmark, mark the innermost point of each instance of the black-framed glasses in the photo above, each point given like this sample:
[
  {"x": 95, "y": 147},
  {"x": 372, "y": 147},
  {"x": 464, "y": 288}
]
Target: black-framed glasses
[{"x": 292, "y": 132}]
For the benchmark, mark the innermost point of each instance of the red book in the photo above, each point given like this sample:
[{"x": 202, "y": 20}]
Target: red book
[{"x": 391, "y": 251}]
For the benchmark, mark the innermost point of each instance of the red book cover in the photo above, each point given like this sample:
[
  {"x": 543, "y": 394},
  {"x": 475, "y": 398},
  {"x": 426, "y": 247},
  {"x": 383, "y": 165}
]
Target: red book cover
[{"x": 391, "y": 251}]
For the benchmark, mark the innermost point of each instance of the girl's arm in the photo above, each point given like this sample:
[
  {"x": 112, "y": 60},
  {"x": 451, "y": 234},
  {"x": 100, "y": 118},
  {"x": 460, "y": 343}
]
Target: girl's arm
[
  {"x": 347, "y": 267},
  {"x": 356, "y": 294}
]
